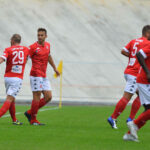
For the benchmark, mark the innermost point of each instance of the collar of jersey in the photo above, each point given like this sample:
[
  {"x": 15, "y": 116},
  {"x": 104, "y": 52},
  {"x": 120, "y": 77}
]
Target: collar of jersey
[{"x": 40, "y": 45}]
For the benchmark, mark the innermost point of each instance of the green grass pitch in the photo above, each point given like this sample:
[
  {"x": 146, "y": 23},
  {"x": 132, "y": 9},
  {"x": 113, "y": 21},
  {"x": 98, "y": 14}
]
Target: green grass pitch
[{"x": 70, "y": 128}]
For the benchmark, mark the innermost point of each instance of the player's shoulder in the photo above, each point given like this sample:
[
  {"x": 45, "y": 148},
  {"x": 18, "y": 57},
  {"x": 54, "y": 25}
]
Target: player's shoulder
[
  {"x": 134, "y": 40},
  {"x": 8, "y": 48},
  {"x": 47, "y": 43},
  {"x": 141, "y": 40},
  {"x": 34, "y": 45},
  {"x": 25, "y": 48}
]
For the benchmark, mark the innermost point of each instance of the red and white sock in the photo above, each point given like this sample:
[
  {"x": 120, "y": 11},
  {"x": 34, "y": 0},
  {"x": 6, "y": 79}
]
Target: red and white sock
[
  {"x": 143, "y": 117},
  {"x": 12, "y": 111},
  {"x": 135, "y": 107},
  {"x": 5, "y": 107},
  {"x": 34, "y": 109},
  {"x": 121, "y": 105},
  {"x": 41, "y": 104}
]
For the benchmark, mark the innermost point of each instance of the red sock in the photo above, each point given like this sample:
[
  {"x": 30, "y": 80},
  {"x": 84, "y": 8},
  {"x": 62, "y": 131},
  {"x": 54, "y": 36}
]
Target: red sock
[
  {"x": 135, "y": 107},
  {"x": 12, "y": 111},
  {"x": 143, "y": 117},
  {"x": 41, "y": 104},
  {"x": 121, "y": 105},
  {"x": 5, "y": 107},
  {"x": 34, "y": 109}
]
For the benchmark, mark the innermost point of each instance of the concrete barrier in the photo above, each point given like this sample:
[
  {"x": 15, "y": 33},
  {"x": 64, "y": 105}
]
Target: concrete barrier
[{"x": 86, "y": 34}]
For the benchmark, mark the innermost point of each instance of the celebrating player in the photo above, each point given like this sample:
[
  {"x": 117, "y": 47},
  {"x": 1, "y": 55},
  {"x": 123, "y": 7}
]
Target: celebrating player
[
  {"x": 143, "y": 83},
  {"x": 40, "y": 55},
  {"x": 130, "y": 76},
  {"x": 15, "y": 57}
]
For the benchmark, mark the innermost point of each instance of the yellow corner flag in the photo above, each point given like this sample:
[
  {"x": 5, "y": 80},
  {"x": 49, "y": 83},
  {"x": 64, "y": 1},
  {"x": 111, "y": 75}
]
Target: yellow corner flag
[{"x": 59, "y": 68}]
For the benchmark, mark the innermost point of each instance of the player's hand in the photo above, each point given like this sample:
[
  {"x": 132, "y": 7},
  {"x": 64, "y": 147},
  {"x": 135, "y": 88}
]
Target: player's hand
[
  {"x": 57, "y": 72},
  {"x": 148, "y": 76}
]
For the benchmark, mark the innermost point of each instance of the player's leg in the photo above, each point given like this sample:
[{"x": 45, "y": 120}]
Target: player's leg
[
  {"x": 138, "y": 123},
  {"x": 134, "y": 108},
  {"x": 13, "y": 85},
  {"x": 47, "y": 98},
  {"x": 135, "y": 125},
  {"x": 121, "y": 105},
  {"x": 12, "y": 111},
  {"x": 47, "y": 93},
  {"x": 130, "y": 89},
  {"x": 35, "y": 105},
  {"x": 5, "y": 107},
  {"x": 36, "y": 86}
]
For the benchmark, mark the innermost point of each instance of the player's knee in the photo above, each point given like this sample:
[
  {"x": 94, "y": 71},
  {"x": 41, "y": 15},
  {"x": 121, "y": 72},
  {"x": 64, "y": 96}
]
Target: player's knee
[
  {"x": 127, "y": 95},
  {"x": 36, "y": 95},
  {"x": 48, "y": 98}
]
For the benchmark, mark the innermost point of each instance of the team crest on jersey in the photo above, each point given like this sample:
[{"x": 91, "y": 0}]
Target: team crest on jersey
[
  {"x": 37, "y": 50},
  {"x": 47, "y": 47}
]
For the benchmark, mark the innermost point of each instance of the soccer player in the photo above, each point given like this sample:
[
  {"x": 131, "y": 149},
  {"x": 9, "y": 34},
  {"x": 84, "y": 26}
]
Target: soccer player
[
  {"x": 40, "y": 56},
  {"x": 143, "y": 83},
  {"x": 15, "y": 57},
  {"x": 130, "y": 74}
]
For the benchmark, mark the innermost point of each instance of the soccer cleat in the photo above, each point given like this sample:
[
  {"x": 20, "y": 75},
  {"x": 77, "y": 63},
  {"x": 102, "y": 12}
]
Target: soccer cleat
[
  {"x": 17, "y": 123},
  {"x": 36, "y": 123},
  {"x": 28, "y": 116},
  {"x": 112, "y": 122},
  {"x": 129, "y": 137},
  {"x": 129, "y": 119},
  {"x": 133, "y": 129}
]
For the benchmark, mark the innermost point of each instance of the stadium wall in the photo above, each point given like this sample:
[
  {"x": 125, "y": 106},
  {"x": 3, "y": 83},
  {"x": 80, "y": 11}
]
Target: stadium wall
[{"x": 86, "y": 34}]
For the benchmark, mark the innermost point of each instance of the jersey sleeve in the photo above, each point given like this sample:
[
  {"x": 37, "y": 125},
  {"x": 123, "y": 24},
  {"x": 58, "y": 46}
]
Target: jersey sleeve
[
  {"x": 145, "y": 52},
  {"x": 127, "y": 47},
  {"x": 5, "y": 54},
  {"x": 31, "y": 51}
]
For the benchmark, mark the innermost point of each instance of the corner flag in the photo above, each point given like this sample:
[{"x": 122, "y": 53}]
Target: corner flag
[{"x": 59, "y": 68}]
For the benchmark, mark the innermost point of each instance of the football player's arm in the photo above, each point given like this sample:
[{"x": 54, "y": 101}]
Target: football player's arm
[
  {"x": 126, "y": 50},
  {"x": 51, "y": 62},
  {"x": 2, "y": 60},
  {"x": 141, "y": 61},
  {"x": 123, "y": 52}
]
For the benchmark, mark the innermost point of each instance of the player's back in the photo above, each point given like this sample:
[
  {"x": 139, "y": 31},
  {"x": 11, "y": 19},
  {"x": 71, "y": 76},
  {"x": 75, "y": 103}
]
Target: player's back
[
  {"x": 133, "y": 47},
  {"x": 16, "y": 57}
]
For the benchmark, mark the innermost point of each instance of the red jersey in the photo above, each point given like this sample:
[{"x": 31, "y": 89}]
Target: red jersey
[
  {"x": 132, "y": 48},
  {"x": 141, "y": 77},
  {"x": 39, "y": 55},
  {"x": 16, "y": 57}
]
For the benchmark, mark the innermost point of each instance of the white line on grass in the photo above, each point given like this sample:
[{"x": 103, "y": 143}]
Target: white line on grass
[{"x": 46, "y": 109}]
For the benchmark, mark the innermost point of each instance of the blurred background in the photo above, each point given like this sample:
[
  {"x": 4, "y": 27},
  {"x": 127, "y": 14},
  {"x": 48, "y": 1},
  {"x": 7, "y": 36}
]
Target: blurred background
[{"x": 87, "y": 35}]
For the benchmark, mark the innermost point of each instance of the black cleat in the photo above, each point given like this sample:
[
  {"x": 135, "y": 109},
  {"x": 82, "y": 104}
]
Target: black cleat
[{"x": 28, "y": 116}]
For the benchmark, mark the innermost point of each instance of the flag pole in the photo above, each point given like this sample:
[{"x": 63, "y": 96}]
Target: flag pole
[
  {"x": 60, "y": 69},
  {"x": 61, "y": 77},
  {"x": 60, "y": 98}
]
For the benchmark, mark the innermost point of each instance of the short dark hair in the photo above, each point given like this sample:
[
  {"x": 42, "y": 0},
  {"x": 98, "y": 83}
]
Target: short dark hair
[
  {"x": 42, "y": 29},
  {"x": 145, "y": 29},
  {"x": 16, "y": 38}
]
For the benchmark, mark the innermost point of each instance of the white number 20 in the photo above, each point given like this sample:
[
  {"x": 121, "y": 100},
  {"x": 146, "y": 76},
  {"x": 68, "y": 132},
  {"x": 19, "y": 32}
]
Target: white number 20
[{"x": 19, "y": 55}]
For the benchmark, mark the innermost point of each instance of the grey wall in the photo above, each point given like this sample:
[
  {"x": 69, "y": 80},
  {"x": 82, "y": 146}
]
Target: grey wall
[{"x": 86, "y": 34}]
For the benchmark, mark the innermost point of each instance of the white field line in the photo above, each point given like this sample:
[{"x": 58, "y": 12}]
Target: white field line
[{"x": 46, "y": 109}]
